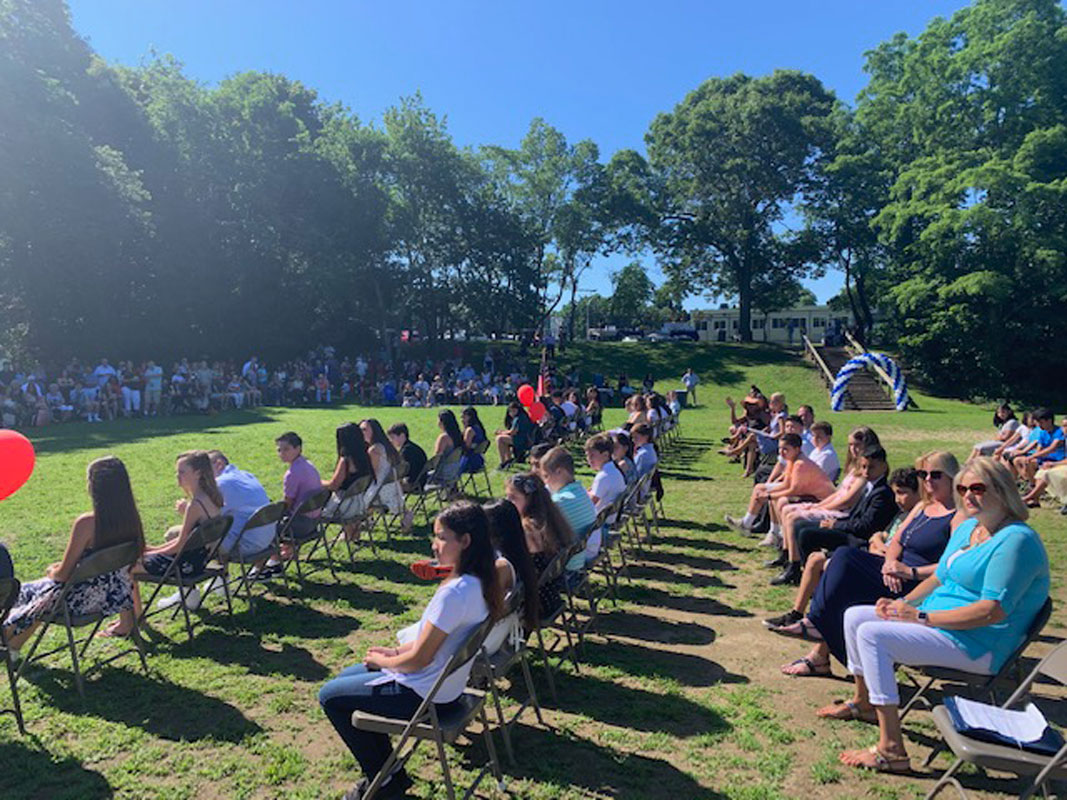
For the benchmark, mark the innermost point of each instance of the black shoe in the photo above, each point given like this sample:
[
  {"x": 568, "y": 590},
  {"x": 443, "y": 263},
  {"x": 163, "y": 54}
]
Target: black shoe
[
  {"x": 397, "y": 786},
  {"x": 789, "y": 576},
  {"x": 785, "y": 619},
  {"x": 269, "y": 571},
  {"x": 780, "y": 561}
]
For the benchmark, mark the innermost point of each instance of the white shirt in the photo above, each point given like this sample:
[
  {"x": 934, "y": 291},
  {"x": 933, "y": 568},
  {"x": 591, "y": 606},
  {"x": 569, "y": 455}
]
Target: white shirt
[
  {"x": 569, "y": 408},
  {"x": 102, "y": 373},
  {"x": 456, "y": 608},
  {"x": 690, "y": 380},
  {"x": 608, "y": 484},
  {"x": 807, "y": 443},
  {"x": 826, "y": 458}
]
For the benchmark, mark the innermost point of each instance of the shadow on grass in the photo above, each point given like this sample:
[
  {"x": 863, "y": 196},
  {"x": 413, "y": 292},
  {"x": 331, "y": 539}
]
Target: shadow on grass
[
  {"x": 560, "y": 760},
  {"x": 647, "y": 662},
  {"x": 83, "y": 435},
  {"x": 273, "y": 617},
  {"x": 636, "y": 625},
  {"x": 28, "y": 771},
  {"x": 159, "y": 707},
  {"x": 246, "y": 650},
  {"x": 349, "y": 594},
  {"x": 658, "y": 574},
  {"x": 648, "y": 596}
]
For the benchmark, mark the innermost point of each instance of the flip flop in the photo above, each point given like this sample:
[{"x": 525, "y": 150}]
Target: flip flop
[
  {"x": 815, "y": 670},
  {"x": 855, "y": 713},
  {"x": 805, "y": 631},
  {"x": 882, "y": 763}
]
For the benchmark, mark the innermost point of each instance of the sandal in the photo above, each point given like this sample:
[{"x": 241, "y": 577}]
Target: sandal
[
  {"x": 801, "y": 629},
  {"x": 813, "y": 669},
  {"x": 881, "y": 762},
  {"x": 852, "y": 713}
]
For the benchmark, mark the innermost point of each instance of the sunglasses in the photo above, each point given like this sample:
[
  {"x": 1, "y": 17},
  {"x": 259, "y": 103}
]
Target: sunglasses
[
  {"x": 974, "y": 488},
  {"x": 933, "y": 474}
]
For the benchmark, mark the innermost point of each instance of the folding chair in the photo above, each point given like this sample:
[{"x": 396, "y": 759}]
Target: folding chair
[
  {"x": 96, "y": 563},
  {"x": 582, "y": 588},
  {"x": 495, "y": 666},
  {"x": 558, "y": 617},
  {"x": 392, "y": 519},
  {"x": 980, "y": 685},
  {"x": 444, "y": 481},
  {"x": 269, "y": 514},
  {"x": 1002, "y": 757},
  {"x": 420, "y": 491},
  {"x": 209, "y": 534},
  {"x": 316, "y": 537},
  {"x": 429, "y": 724},
  {"x": 352, "y": 509},
  {"x": 469, "y": 480},
  {"x": 9, "y": 592},
  {"x": 602, "y": 561}
]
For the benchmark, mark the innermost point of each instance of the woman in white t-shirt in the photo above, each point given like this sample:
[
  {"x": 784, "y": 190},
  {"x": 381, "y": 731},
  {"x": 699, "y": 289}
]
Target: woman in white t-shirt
[
  {"x": 392, "y": 681},
  {"x": 1006, "y": 424}
]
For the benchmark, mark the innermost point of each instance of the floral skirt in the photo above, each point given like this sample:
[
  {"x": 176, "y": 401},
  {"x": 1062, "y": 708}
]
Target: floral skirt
[{"x": 106, "y": 594}]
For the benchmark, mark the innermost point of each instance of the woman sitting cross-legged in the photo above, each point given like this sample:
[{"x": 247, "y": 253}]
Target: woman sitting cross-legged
[
  {"x": 860, "y": 577},
  {"x": 393, "y": 681},
  {"x": 113, "y": 520},
  {"x": 514, "y": 442},
  {"x": 970, "y": 615},
  {"x": 196, "y": 477}
]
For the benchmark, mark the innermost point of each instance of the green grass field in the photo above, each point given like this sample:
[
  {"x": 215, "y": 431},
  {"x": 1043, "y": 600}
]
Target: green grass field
[{"x": 679, "y": 697}]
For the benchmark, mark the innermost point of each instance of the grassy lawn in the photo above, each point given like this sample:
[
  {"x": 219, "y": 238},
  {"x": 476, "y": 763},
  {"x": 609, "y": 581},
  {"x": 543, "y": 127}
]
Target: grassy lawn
[{"x": 679, "y": 697}]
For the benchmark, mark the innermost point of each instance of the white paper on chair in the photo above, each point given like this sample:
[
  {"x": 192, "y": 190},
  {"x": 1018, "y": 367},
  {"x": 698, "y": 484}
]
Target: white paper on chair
[{"x": 1027, "y": 725}]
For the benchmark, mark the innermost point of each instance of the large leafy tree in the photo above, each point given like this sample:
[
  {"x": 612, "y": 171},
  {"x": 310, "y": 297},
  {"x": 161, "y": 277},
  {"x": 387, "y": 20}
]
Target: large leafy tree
[
  {"x": 970, "y": 117},
  {"x": 723, "y": 168}
]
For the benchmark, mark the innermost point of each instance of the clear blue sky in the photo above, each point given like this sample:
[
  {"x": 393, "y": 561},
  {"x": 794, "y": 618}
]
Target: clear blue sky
[{"x": 598, "y": 70}]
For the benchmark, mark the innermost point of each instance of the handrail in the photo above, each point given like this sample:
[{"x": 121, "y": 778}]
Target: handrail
[
  {"x": 881, "y": 373},
  {"x": 810, "y": 349}
]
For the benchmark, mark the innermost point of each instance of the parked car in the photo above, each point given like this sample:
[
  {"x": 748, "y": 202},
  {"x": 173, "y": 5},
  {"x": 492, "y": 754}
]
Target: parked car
[{"x": 657, "y": 336}]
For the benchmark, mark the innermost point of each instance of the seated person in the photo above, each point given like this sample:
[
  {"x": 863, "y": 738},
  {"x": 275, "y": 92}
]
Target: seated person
[
  {"x": 1049, "y": 447},
  {"x": 1006, "y": 424},
  {"x": 872, "y": 512},
  {"x": 822, "y": 452},
  {"x": 593, "y": 409},
  {"x": 516, "y": 572},
  {"x": 353, "y": 463},
  {"x": 609, "y": 482},
  {"x": 970, "y": 615},
  {"x": 7, "y": 568},
  {"x": 113, "y": 520},
  {"x": 760, "y": 444},
  {"x": 1018, "y": 439},
  {"x": 385, "y": 490},
  {"x": 622, "y": 453},
  {"x": 859, "y": 577},
  {"x": 547, "y": 532},
  {"x": 514, "y": 443},
  {"x": 473, "y": 435},
  {"x": 538, "y": 452},
  {"x": 301, "y": 481},
  {"x": 393, "y": 681},
  {"x": 413, "y": 455},
  {"x": 450, "y": 438},
  {"x": 574, "y": 503},
  {"x": 645, "y": 456},
  {"x": 1051, "y": 474}
]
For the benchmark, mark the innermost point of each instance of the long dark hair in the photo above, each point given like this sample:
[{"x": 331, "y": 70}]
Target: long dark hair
[
  {"x": 115, "y": 515},
  {"x": 542, "y": 516},
  {"x": 505, "y": 530},
  {"x": 351, "y": 446},
  {"x": 377, "y": 435},
  {"x": 470, "y": 419},
  {"x": 1002, "y": 415},
  {"x": 448, "y": 422},
  {"x": 515, "y": 405},
  {"x": 478, "y": 558},
  {"x": 200, "y": 462}
]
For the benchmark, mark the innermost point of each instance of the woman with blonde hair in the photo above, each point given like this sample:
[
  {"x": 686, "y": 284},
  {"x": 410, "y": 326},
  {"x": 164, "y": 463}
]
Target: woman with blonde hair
[
  {"x": 971, "y": 614},
  {"x": 860, "y": 577}
]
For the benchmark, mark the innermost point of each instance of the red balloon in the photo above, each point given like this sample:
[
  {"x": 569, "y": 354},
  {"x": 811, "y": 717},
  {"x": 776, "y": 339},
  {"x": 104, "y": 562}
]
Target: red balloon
[
  {"x": 16, "y": 462},
  {"x": 537, "y": 411},
  {"x": 526, "y": 395}
]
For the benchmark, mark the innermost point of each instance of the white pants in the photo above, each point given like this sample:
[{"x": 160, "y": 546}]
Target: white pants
[
  {"x": 131, "y": 399},
  {"x": 875, "y": 646}
]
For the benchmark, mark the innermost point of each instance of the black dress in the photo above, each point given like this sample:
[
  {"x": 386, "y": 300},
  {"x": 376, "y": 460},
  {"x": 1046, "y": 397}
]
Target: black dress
[{"x": 549, "y": 593}]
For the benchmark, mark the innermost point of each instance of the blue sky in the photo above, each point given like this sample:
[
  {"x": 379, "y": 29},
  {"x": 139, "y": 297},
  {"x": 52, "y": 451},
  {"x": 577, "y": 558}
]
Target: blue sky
[{"x": 596, "y": 70}]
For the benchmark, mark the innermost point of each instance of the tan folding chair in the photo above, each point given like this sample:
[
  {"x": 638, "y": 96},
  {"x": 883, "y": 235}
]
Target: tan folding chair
[
  {"x": 96, "y": 563},
  {"x": 9, "y": 592},
  {"x": 559, "y": 618},
  {"x": 315, "y": 538},
  {"x": 269, "y": 514},
  {"x": 469, "y": 481},
  {"x": 420, "y": 489},
  {"x": 429, "y": 724},
  {"x": 1003, "y": 758}
]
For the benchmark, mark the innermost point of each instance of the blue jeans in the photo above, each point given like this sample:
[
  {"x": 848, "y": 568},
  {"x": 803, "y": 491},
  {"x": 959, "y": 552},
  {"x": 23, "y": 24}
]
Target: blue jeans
[{"x": 350, "y": 692}]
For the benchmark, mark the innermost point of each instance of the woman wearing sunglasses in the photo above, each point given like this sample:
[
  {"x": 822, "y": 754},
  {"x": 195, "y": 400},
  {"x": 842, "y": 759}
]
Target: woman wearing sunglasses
[{"x": 970, "y": 615}]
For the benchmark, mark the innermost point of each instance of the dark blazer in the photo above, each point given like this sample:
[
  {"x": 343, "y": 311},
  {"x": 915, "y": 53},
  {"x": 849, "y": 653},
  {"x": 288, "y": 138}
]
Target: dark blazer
[{"x": 872, "y": 513}]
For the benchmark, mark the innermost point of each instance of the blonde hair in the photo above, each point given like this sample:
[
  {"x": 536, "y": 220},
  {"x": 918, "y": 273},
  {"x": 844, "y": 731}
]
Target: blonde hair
[
  {"x": 998, "y": 481},
  {"x": 200, "y": 462},
  {"x": 936, "y": 459}
]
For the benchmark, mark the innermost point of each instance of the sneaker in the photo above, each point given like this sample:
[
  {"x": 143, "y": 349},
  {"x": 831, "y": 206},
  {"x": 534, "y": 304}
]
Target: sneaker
[
  {"x": 214, "y": 586},
  {"x": 735, "y": 523},
  {"x": 267, "y": 572},
  {"x": 192, "y": 600},
  {"x": 793, "y": 616},
  {"x": 770, "y": 540}
]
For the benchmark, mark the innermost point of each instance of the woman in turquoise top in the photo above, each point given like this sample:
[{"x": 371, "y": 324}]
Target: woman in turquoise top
[{"x": 970, "y": 615}]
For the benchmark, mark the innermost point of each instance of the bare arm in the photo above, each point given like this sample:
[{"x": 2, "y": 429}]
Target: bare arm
[
  {"x": 411, "y": 659},
  {"x": 194, "y": 512},
  {"x": 81, "y": 533},
  {"x": 839, "y": 501},
  {"x": 334, "y": 483}
]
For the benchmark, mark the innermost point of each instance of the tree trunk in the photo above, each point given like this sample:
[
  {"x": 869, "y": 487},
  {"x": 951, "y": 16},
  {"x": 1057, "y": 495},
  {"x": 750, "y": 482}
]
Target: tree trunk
[
  {"x": 867, "y": 321},
  {"x": 574, "y": 295},
  {"x": 847, "y": 261},
  {"x": 744, "y": 298}
]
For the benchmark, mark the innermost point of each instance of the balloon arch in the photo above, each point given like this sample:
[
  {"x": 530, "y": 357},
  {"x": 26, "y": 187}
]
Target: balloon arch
[{"x": 854, "y": 365}]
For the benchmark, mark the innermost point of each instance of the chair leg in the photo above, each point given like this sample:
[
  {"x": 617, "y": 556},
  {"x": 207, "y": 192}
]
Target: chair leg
[
  {"x": 503, "y": 723},
  {"x": 948, "y": 779},
  {"x": 17, "y": 705},
  {"x": 915, "y": 698},
  {"x": 547, "y": 666},
  {"x": 524, "y": 663},
  {"x": 494, "y": 762},
  {"x": 185, "y": 610},
  {"x": 226, "y": 591},
  {"x": 443, "y": 758},
  {"x": 78, "y": 682}
]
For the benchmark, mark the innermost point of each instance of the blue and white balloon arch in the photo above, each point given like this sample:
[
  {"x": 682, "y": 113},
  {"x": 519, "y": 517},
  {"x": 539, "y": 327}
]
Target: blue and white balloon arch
[{"x": 854, "y": 365}]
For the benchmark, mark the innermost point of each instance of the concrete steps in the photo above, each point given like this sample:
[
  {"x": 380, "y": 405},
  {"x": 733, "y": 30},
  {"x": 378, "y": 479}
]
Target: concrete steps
[{"x": 866, "y": 391}]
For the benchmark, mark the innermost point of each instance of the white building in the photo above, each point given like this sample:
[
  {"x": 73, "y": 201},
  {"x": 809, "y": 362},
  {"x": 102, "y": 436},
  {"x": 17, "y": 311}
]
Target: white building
[{"x": 785, "y": 326}]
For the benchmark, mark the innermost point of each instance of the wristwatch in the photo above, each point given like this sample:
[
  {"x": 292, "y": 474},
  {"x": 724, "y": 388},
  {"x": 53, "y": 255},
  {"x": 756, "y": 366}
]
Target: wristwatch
[
  {"x": 923, "y": 618},
  {"x": 914, "y": 573}
]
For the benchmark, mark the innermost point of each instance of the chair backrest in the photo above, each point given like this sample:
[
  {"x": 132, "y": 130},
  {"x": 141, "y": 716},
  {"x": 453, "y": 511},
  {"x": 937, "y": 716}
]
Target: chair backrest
[
  {"x": 108, "y": 559},
  {"x": 359, "y": 486},
  {"x": 313, "y": 503},
  {"x": 9, "y": 592},
  {"x": 482, "y": 447},
  {"x": 554, "y": 568},
  {"x": 209, "y": 532},
  {"x": 267, "y": 515},
  {"x": 470, "y": 646},
  {"x": 401, "y": 470}
]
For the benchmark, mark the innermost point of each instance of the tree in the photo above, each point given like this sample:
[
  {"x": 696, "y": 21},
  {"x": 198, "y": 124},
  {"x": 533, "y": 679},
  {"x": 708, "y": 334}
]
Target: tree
[
  {"x": 632, "y": 294},
  {"x": 722, "y": 168}
]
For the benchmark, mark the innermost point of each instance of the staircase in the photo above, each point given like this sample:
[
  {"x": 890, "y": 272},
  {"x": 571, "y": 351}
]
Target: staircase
[{"x": 866, "y": 391}]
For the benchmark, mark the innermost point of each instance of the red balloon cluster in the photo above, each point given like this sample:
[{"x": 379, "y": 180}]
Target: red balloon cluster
[
  {"x": 16, "y": 462},
  {"x": 526, "y": 395},
  {"x": 537, "y": 411}
]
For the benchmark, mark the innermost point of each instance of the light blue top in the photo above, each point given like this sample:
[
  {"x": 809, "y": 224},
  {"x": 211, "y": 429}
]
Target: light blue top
[
  {"x": 242, "y": 495},
  {"x": 574, "y": 504},
  {"x": 645, "y": 460},
  {"x": 1011, "y": 568}
]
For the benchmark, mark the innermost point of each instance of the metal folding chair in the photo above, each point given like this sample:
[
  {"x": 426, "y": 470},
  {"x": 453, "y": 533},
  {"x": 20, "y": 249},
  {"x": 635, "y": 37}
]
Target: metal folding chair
[
  {"x": 421, "y": 491},
  {"x": 469, "y": 481},
  {"x": 352, "y": 509},
  {"x": 9, "y": 592},
  {"x": 429, "y": 724},
  {"x": 980, "y": 685},
  {"x": 559, "y": 617},
  {"x": 209, "y": 534},
  {"x": 269, "y": 514},
  {"x": 1002, "y": 757},
  {"x": 96, "y": 563},
  {"x": 288, "y": 535}
]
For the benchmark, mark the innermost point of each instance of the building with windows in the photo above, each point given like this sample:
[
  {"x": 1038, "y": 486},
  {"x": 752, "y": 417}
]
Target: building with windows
[{"x": 784, "y": 327}]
